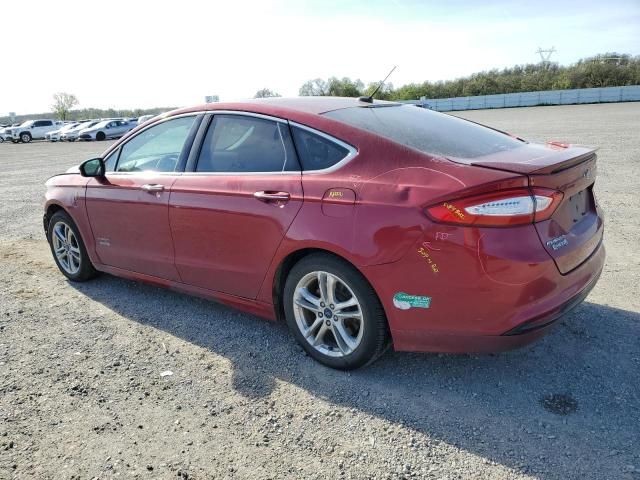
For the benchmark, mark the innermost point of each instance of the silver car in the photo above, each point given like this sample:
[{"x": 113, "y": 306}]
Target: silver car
[
  {"x": 56, "y": 135},
  {"x": 106, "y": 129},
  {"x": 72, "y": 134}
]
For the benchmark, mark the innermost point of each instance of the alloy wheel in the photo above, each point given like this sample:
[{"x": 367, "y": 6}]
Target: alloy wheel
[
  {"x": 328, "y": 314},
  {"x": 66, "y": 248}
]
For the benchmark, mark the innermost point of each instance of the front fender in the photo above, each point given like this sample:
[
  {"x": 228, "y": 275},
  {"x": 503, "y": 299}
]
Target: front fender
[{"x": 67, "y": 192}]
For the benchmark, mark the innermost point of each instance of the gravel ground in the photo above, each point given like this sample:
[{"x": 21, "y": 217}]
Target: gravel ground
[{"x": 82, "y": 395}]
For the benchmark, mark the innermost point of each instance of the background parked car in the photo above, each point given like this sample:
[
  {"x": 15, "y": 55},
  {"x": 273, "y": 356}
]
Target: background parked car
[
  {"x": 72, "y": 134},
  {"x": 5, "y": 132},
  {"x": 144, "y": 118},
  {"x": 34, "y": 130},
  {"x": 106, "y": 129},
  {"x": 56, "y": 135}
]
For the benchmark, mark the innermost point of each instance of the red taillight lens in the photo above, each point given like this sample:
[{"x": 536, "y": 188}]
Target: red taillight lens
[{"x": 498, "y": 209}]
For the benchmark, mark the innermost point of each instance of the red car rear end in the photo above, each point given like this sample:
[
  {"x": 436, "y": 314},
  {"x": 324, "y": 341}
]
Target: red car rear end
[{"x": 502, "y": 256}]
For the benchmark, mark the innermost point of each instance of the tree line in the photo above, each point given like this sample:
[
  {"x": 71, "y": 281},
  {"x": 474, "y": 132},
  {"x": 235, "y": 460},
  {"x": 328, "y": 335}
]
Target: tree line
[{"x": 604, "y": 70}]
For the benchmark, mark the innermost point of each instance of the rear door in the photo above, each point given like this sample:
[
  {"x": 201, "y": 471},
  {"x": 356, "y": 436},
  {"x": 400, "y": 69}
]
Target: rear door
[
  {"x": 40, "y": 128},
  {"x": 230, "y": 213},
  {"x": 128, "y": 209}
]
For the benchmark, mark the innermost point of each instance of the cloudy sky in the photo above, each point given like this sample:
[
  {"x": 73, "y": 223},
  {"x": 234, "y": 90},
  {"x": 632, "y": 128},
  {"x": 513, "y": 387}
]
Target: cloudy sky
[{"x": 127, "y": 54}]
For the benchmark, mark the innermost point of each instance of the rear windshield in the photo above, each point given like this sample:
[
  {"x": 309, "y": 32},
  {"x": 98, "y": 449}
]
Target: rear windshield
[{"x": 427, "y": 131}]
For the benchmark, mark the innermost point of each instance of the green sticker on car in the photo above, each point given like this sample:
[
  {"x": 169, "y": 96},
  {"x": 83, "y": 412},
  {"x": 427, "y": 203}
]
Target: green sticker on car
[{"x": 404, "y": 301}]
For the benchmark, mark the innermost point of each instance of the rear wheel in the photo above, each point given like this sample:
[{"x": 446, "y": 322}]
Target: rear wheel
[
  {"x": 25, "y": 137},
  {"x": 334, "y": 313},
  {"x": 100, "y": 136},
  {"x": 68, "y": 248}
]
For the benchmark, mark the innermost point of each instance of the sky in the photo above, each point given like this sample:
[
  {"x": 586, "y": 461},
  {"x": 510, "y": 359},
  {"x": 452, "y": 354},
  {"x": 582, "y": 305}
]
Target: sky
[{"x": 141, "y": 54}]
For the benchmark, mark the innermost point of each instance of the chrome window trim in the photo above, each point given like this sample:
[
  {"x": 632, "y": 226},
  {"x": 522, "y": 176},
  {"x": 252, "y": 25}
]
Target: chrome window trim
[
  {"x": 248, "y": 114},
  {"x": 353, "y": 152},
  {"x": 218, "y": 174}
]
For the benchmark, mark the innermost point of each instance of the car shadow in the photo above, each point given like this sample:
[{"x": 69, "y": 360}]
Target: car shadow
[{"x": 538, "y": 410}]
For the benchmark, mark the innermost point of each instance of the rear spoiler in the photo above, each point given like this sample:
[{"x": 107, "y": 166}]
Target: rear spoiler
[{"x": 534, "y": 158}]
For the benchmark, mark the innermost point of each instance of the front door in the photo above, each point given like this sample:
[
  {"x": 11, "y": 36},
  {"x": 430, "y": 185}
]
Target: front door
[
  {"x": 128, "y": 209},
  {"x": 229, "y": 215}
]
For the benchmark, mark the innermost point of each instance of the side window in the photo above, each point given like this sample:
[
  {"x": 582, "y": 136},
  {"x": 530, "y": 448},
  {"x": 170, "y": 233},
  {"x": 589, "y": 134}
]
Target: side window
[
  {"x": 317, "y": 152},
  {"x": 157, "y": 149},
  {"x": 111, "y": 160},
  {"x": 42, "y": 123},
  {"x": 237, "y": 143}
]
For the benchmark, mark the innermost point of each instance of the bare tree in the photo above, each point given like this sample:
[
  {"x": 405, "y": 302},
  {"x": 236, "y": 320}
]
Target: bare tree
[{"x": 62, "y": 103}]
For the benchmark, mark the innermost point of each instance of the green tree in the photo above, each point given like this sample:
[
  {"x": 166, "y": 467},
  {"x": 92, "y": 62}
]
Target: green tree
[
  {"x": 317, "y": 87},
  {"x": 62, "y": 103},
  {"x": 266, "y": 93},
  {"x": 604, "y": 70}
]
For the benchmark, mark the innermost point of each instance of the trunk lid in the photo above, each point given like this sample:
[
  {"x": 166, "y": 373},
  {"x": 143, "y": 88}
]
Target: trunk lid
[{"x": 575, "y": 229}]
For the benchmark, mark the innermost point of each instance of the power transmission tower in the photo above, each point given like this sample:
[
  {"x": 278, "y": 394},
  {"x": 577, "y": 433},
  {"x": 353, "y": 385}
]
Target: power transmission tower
[{"x": 545, "y": 54}]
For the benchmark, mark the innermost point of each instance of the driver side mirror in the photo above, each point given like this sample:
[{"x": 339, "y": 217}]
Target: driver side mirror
[{"x": 92, "y": 168}]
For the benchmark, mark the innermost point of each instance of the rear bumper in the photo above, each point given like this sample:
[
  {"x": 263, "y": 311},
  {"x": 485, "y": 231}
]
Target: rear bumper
[
  {"x": 485, "y": 296},
  {"x": 527, "y": 332}
]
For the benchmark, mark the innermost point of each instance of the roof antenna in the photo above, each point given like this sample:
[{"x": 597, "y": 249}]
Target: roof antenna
[{"x": 369, "y": 99}]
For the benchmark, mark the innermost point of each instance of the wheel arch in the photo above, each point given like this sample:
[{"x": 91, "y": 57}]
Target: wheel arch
[
  {"x": 51, "y": 209},
  {"x": 288, "y": 262}
]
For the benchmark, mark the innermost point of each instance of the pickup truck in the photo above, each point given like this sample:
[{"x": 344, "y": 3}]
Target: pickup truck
[{"x": 33, "y": 130}]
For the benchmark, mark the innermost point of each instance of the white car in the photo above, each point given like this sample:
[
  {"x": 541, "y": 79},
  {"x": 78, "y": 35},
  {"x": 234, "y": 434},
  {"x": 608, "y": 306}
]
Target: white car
[
  {"x": 144, "y": 118},
  {"x": 71, "y": 135},
  {"x": 114, "y": 128},
  {"x": 33, "y": 130},
  {"x": 5, "y": 132},
  {"x": 56, "y": 135}
]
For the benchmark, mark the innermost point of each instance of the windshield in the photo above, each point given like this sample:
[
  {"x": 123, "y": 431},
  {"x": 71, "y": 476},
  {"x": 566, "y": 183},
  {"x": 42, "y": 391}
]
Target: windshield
[{"x": 427, "y": 131}]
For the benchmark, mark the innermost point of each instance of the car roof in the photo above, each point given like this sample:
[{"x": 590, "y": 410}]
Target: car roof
[{"x": 312, "y": 105}]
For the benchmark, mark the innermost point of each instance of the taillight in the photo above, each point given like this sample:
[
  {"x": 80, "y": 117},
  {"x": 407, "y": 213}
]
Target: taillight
[{"x": 498, "y": 209}]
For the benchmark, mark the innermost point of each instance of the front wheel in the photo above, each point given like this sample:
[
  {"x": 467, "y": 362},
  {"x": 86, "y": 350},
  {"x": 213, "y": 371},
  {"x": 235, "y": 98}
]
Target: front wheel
[
  {"x": 68, "y": 248},
  {"x": 25, "y": 137},
  {"x": 334, "y": 313},
  {"x": 100, "y": 136}
]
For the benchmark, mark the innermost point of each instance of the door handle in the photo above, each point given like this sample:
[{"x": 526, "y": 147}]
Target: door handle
[
  {"x": 152, "y": 187},
  {"x": 272, "y": 196}
]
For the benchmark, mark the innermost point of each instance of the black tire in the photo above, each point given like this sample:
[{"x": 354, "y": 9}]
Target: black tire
[
  {"x": 25, "y": 137},
  {"x": 375, "y": 337},
  {"x": 86, "y": 270},
  {"x": 100, "y": 136}
]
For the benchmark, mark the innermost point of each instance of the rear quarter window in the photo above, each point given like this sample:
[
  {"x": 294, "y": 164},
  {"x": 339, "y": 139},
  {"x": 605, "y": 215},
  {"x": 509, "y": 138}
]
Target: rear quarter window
[
  {"x": 317, "y": 152},
  {"x": 427, "y": 131}
]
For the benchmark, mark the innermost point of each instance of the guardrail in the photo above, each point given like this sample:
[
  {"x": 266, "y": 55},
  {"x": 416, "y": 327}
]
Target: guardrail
[{"x": 629, "y": 93}]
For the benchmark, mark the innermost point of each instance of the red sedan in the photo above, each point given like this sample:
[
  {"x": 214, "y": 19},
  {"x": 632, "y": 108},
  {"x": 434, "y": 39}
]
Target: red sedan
[{"x": 362, "y": 224}]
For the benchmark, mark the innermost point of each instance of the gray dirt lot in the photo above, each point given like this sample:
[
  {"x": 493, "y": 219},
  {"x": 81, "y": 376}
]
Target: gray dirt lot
[{"x": 81, "y": 394}]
